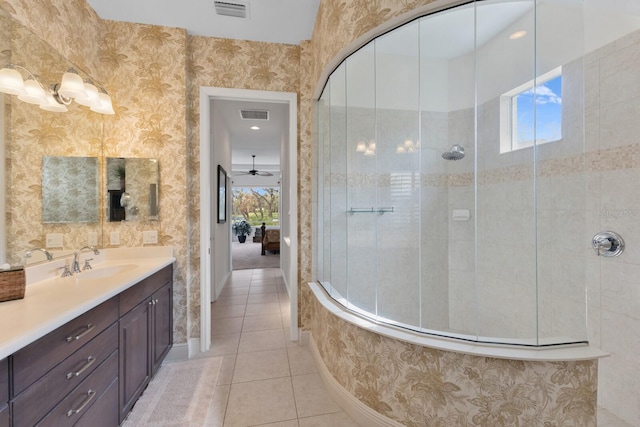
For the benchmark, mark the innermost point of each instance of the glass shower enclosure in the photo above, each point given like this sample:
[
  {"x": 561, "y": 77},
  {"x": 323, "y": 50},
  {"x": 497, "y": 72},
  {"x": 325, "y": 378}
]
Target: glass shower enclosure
[{"x": 452, "y": 197}]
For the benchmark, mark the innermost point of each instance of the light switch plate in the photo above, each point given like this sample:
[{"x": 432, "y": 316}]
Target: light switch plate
[
  {"x": 92, "y": 240},
  {"x": 150, "y": 237},
  {"x": 114, "y": 238},
  {"x": 54, "y": 240}
]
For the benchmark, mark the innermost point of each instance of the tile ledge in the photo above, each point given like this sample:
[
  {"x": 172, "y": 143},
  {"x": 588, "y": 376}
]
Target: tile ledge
[{"x": 559, "y": 353}]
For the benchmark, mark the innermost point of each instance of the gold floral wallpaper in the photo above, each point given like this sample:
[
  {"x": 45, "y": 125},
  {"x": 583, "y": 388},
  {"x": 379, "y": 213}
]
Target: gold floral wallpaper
[
  {"x": 419, "y": 386},
  {"x": 34, "y": 134},
  {"x": 226, "y": 63},
  {"x": 144, "y": 67}
]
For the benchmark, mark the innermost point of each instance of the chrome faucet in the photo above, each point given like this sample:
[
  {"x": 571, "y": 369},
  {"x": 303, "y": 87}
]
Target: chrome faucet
[
  {"x": 44, "y": 251},
  {"x": 76, "y": 257}
]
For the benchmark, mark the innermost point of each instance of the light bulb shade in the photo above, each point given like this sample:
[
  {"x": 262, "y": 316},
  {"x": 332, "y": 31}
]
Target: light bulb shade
[
  {"x": 11, "y": 81},
  {"x": 361, "y": 147},
  {"x": 50, "y": 104},
  {"x": 72, "y": 85},
  {"x": 105, "y": 106},
  {"x": 34, "y": 93},
  {"x": 91, "y": 99}
]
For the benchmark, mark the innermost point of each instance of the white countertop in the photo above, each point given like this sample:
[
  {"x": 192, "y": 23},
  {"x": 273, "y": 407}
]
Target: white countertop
[{"x": 51, "y": 301}]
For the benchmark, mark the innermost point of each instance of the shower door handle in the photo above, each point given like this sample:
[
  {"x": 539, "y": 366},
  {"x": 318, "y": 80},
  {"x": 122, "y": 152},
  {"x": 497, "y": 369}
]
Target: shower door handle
[{"x": 608, "y": 244}]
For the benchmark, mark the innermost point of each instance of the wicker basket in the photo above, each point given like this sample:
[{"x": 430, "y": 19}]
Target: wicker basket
[{"x": 12, "y": 284}]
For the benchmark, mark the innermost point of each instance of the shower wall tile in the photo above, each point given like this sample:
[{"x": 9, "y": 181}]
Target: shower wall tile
[{"x": 619, "y": 75}]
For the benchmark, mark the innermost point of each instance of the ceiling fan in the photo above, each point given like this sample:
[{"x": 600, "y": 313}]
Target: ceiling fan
[{"x": 253, "y": 171}]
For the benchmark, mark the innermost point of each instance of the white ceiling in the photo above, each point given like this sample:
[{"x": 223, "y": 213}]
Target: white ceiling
[{"x": 275, "y": 21}]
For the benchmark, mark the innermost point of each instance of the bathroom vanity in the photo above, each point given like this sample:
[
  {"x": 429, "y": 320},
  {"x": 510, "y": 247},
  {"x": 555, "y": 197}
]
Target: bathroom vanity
[{"x": 81, "y": 350}]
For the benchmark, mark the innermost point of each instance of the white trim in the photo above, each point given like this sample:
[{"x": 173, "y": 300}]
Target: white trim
[
  {"x": 206, "y": 94},
  {"x": 357, "y": 410}
]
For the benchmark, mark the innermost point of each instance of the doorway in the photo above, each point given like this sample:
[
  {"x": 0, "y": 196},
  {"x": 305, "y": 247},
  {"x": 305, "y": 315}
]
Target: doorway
[{"x": 215, "y": 236}]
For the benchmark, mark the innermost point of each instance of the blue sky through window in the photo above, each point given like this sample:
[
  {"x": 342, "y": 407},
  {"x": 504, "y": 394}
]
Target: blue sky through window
[{"x": 548, "y": 107}]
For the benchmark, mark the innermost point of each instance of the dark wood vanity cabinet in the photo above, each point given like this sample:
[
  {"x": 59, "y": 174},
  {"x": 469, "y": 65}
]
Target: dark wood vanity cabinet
[
  {"x": 146, "y": 334},
  {"x": 91, "y": 371},
  {"x": 4, "y": 393}
]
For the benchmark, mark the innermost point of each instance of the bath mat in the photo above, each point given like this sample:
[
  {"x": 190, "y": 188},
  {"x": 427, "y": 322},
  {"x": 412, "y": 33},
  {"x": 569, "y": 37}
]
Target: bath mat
[{"x": 179, "y": 395}]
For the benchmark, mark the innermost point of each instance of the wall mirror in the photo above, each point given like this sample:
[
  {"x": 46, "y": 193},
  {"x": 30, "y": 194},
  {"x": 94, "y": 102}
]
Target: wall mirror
[
  {"x": 132, "y": 189},
  {"x": 28, "y": 135},
  {"x": 69, "y": 189}
]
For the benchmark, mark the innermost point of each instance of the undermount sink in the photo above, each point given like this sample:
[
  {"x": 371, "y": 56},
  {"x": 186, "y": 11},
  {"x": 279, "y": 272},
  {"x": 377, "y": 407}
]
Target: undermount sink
[{"x": 106, "y": 271}]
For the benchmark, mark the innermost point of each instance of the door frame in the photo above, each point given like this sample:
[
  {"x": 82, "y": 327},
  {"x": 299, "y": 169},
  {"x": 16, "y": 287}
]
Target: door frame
[{"x": 207, "y": 178}]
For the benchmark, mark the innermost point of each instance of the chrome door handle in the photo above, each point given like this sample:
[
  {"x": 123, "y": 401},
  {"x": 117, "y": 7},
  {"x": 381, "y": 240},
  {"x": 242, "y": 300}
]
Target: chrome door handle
[
  {"x": 88, "y": 329},
  {"x": 90, "y": 395},
  {"x": 90, "y": 361}
]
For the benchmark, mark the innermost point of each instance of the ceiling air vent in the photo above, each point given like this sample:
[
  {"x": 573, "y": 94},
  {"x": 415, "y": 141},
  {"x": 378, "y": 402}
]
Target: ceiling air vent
[
  {"x": 255, "y": 114},
  {"x": 238, "y": 10}
]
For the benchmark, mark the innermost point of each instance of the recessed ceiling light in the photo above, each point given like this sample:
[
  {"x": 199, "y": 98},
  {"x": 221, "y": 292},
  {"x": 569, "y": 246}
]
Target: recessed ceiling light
[
  {"x": 518, "y": 35},
  {"x": 255, "y": 128}
]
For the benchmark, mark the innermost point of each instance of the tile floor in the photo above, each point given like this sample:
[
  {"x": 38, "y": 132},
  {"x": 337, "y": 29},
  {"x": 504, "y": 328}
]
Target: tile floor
[{"x": 266, "y": 379}]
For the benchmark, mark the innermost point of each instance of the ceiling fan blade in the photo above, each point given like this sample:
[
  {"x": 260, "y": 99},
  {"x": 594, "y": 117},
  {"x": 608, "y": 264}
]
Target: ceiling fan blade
[
  {"x": 240, "y": 173},
  {"x": 264, "y": 173}
]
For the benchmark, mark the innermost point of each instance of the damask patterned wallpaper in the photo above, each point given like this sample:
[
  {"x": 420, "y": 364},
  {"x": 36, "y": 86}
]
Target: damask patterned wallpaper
[
  {"x": 419, "y": 386},
  {"x": 225, "y": 63},
  {"x": 145, "y": 68}
]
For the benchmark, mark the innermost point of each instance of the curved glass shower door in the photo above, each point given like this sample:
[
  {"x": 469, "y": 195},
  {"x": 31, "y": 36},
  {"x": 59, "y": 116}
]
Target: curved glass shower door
[{"x": 453, "y": 186}]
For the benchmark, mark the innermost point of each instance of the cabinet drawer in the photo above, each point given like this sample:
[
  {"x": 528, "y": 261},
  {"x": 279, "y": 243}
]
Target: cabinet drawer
[
  {"x": 4, "y": 382},
  {"x": 39, "y": 357},
  {"x": 39, "y": 398},
  {"x": 132, "y": 296},
  {"x": 103, "y": 413},
  {"x": 82, "y": 398}
]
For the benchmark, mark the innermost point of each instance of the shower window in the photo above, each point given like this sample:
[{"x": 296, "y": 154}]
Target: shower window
[{"x": 532, "y": 112}]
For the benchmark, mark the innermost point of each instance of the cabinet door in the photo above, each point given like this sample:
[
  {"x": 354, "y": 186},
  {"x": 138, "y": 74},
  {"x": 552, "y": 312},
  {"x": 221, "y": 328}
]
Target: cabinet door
[
  {"x": 134, "y": 355},
  {"x": 162, "y": 325},
  {"x": 5, "y": 420}
]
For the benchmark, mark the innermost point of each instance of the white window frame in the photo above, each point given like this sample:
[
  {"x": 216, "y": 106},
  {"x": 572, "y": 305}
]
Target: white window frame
[{"x": 509, "y": 113}]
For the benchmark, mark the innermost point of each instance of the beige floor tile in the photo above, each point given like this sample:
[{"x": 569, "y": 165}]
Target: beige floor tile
[
  {"x": 260, "y": 402},
  {"x": 311, "y": 396},
  {"x": 230, "y": 291},
  {"x": 235, "y": 300},
  {"x": 266, "y": 308},
  {"x": 266, "y": 289},
  {"x": 301, "y": 361},
  {"x": 339, "y": 419},
  {"x": 215, "y": 415},
  {"x": 261, "y": 365},
  {"x": 262, "y": 298},
  {"x": 262, "y": 322},
  {"x": 220, "y": 311},
  {"x": 261, "y": 340},
  {"x": 226, "y": 326},
  {"x": 224, "y": 344},
  {"x": 226, "y": 370},
  {"x": 291, "y": 423}
]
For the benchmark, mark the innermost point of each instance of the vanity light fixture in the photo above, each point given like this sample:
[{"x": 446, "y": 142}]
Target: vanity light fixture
[{"x": 55, "y": 99}]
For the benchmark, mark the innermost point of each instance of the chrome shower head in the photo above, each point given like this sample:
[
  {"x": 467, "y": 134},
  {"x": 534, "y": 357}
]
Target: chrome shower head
[{"x": 456, "y": 153}]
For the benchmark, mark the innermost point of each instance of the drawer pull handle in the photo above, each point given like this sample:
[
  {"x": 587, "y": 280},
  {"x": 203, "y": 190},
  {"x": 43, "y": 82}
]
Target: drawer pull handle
[
  {"x": 90, "y": 395},
  {"x": 88, "y": 329},
  {"x": 90, "y": 361}
]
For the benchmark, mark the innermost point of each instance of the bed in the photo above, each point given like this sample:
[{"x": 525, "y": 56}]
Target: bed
[{"x": 270, "y": 239}]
